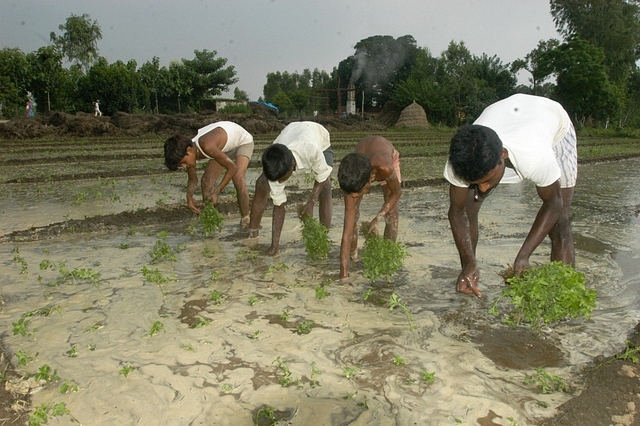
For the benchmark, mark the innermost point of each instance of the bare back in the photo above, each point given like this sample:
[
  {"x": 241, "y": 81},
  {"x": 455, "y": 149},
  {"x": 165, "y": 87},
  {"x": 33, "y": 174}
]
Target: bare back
[{"x": 380, "y": 152}]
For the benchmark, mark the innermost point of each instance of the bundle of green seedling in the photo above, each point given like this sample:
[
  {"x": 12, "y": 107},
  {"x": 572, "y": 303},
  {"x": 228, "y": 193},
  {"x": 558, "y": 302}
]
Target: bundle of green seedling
[
  {"x": 210, "y": 219},
  {"x": 381, "y": 257},
  {"x": 546, "y": 293},
  {"x": 315, "y": 237}
]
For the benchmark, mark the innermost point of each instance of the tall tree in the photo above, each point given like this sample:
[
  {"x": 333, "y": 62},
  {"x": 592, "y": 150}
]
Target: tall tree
[
  {"x": 15, "y": 80},
  {"x": 79, "y": 40},
  {"x": 379, "y": 64},
  {"x": 582, "y": 84},
  {"x": 613, "y": 25},
  {"x": 208, "y": 75},
  {"x": 531, "y": 63},
  {"x": 47, "y": 74},
  {"x": 151, "y": 76}
]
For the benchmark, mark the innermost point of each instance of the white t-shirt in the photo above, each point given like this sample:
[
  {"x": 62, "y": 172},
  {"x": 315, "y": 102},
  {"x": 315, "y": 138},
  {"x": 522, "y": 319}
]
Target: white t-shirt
[
  {"x": 307, "y": 141},
  {"x": 529, "y": 127},
  {"x": 236, "y": 135}
]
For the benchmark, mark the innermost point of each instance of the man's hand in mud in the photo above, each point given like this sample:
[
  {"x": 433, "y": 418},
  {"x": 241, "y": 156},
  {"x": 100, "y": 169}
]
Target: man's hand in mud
[
  {"x": 467, "y": 282},
  {"x": 193, "y": 207}
]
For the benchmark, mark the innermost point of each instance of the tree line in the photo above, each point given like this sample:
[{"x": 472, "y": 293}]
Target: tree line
[{"x": 591, "y": 70}]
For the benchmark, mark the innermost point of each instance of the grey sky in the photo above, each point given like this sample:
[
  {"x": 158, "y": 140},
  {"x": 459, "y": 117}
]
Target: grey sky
[{"x": 261, "y": 36}]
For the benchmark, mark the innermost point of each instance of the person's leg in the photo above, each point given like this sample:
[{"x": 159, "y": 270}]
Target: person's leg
[
  {"x": 209, "y": 177},
  {"x": 240, "y": 183},
  {"x": 326, "y": 204},
  {"x": 391, "y": 218},
  {"x": 562, "y": 248},
  {"x": 258, "y": 205}
]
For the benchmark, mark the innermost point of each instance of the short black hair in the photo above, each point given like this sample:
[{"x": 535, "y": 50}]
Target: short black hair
[
  {"x": 175, "y": 148},
  {"x": 474, "y": 151},
  {"x": 354, "y": 172},
  {"x": 277, "y": 160}
]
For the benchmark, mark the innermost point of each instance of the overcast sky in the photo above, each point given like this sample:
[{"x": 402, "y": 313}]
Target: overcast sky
[{"x": 262, "y": 36}]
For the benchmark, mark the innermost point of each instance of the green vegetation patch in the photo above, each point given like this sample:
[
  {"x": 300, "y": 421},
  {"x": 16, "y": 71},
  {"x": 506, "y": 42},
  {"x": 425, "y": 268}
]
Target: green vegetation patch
[
  {"x": 381, "y": 257},
  {"x": 210, "y": 219},
  {"x": 546, "y": 293},
  {"x": 315, "y": 237}
]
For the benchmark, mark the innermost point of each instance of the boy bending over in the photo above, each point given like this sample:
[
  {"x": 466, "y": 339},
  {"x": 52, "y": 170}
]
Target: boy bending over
[
  {"x": 374, "y": 159},
  {"x": 219, "y": 144},
  {"x": 300, "y": 146}
]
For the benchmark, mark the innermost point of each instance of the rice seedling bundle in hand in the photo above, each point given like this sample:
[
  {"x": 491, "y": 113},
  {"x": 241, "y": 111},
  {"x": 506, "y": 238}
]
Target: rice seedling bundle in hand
[
  {"x": 210, "y": 219},
  {"x": 547, "y": 293},
  {"x": 381, "y": 257},
  {"x": 315, "y": 237}
]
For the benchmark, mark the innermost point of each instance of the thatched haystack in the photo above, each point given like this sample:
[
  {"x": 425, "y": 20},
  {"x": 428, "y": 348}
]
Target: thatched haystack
[{"x": 413, "y": 116}]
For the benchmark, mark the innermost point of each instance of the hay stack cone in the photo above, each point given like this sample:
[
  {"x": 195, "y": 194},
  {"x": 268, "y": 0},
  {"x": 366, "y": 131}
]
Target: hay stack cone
[{"x": 413, "y": 116}]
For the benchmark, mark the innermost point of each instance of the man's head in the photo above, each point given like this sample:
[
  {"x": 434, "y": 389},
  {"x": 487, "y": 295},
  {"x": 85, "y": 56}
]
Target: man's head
[
  {"x": 175, "y": 149},
  {"x": 354, "y": 172},
  {"x": 475, "y": 150},
  {"x": 277, "y": 163}
]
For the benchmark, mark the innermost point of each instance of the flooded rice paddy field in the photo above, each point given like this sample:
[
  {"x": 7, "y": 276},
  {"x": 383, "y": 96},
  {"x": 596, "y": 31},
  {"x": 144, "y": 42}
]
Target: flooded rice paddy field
[{"x": 148, "y": 324}]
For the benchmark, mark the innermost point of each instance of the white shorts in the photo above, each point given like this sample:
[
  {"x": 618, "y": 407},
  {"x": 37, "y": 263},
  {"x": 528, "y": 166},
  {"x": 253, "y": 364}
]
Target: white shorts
[{"x": 567, "y": 156}]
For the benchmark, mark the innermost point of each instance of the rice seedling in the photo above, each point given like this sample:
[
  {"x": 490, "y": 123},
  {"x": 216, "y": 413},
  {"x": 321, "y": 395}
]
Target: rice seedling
[
  {"x": 428, "y": 377},
  {"x": 42, "y": 413},
  {"x": 22, "y": 327},
  {"x": 315, "y": 237},
  {"x": 546, "y": 293},
  {"x": 284, "y": 316},
  {"x": 68, "y": 386},
  {"x": 304, "y": 327},
  {"x": 43, "y": 312},
  {"x": 210, "y": 219},
  {"x": 545, "y": 382},
  {"x": 349, "y": 372},
  {"x": 126, "y": 369},
  {"x": 394, "y": 302},
  {"x": 156, "y": 328},
  {"x": 216, "y": 297},
  {"x": 630, "y": 353},
  {"x": 201, "y": 322},
  {"x": 321, "y": 293},
  {"x": 24, "y": 267},
  {"x": 397, "y": 360},
  {"x": 381, "y": 257},
  {"x": 285, "y": 377},
  {"x": 265, "y": 416},
  {"x": 73, "y": 352},
  {"x": 24, "y": 358},
  {"x": 162, "y": 252},
  {"x": 314, "y": 375},
  {"x": 45, "y": 373}
]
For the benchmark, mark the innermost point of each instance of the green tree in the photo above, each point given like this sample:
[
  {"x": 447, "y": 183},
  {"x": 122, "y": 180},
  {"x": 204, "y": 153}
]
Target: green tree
[
  {"x": 47, "y": 75},
  {"x": 378, "y": 65},
  {"x": 531, "y": 63},
  {"x": 300, "y": 100},
  {"x": 240, "y": 95},
  {"x": 208, "y": 75},
  {"x": 582, "y": 84},
  {"x": 178, "y": 83},
  {"x": 15, "y": 80},
  {"x": 283, "y": 102},
  {"x": 152, "y": 76},
  {"x": 117, "y": 86},
  {"x": 79, "y": 40},
  {"x": 613, "y": 25}
]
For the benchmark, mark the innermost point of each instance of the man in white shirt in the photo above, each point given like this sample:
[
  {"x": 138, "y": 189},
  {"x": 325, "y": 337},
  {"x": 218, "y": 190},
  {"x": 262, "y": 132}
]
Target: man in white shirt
[
  {"x": 521, "y": 137},
  {"x": 303, "y": 145}
]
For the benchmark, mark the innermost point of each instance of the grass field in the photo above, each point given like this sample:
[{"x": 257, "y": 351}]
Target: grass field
[{"x": 423, "y": 154}]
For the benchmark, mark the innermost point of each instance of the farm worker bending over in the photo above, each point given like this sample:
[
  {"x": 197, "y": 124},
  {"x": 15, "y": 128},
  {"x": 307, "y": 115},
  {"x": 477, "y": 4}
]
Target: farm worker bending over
[
  {"x": 300, "y": 146},
  {"x": 374, "y": 159},
  {"x": 220, "y": 144},
  {"x": 521, "y": 137}
]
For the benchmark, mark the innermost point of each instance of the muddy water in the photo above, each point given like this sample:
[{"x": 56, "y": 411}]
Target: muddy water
[{"x": 235, "y": 326}]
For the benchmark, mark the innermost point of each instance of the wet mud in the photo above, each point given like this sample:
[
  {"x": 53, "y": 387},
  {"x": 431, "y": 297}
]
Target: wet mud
[{"x": 245, "y": 339}]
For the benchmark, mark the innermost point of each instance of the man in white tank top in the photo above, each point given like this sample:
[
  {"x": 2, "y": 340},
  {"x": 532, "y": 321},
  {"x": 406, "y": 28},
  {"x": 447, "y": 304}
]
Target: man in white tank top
[{"x": 219, "y": 144}]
